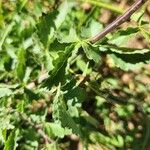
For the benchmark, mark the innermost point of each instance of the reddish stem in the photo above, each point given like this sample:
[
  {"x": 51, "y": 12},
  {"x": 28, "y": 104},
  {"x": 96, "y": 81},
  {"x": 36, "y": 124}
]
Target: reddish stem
[{"x": 120, "y": 20}]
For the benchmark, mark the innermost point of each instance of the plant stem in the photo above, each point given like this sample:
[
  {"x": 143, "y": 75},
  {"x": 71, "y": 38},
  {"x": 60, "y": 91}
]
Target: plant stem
[
  {"x": 120, "y": 20},
  {"x": 113, "y": 8}
]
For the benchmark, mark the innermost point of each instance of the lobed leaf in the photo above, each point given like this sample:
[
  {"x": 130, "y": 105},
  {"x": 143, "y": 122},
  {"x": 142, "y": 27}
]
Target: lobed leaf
[{"x": 57, "y": 75}]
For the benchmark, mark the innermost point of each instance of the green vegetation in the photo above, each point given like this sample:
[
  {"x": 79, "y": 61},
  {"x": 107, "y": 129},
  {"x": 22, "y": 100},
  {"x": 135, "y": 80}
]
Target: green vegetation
[{"x": 60, "y": 92}]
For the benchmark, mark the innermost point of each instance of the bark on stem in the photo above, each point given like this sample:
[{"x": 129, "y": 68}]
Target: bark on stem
[{"x": 120, "y": 20}]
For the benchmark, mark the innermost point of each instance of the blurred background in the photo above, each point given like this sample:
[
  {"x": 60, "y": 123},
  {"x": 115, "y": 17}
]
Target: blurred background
[{"x": 111, "y": 102}]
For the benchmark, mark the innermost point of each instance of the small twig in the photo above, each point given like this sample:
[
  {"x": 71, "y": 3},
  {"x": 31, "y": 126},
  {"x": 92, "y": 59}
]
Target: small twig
[{"x": 120, "y": 20}]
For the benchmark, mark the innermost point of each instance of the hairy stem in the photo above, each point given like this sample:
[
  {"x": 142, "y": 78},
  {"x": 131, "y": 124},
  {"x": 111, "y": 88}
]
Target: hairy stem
[{"x": 120, "y": 20}]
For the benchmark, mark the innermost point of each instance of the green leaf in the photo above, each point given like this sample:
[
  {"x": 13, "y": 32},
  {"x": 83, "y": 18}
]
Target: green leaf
[
  {"x": 52, "y": 22},
  {"x": 63, "y": 11},
  {"x": 126, "y": 58},
  {"x": 46, "y": 27},
  {"x": 123, "y": 36},
  {"x": 122, "y": 50},
  {"x": 91, "y": 120},
  {"x": 48, "y": 61},
  {"x": 62, "y": 116},
  {"x": 71, "y": 38},
  {"x": 117, "y": 141},
  {"x": 52, "y": 146},
  {"x": 92, "y": 29},
  {"x": 67, "y": 121},
  {"x": 11, "y": 142},
  {"x": 55, "y": 130},
  {"x": 145, "y": 34},
  {"x": 129, "y": 62},
  {"x": 5, "y": 33},
  {"x": 2, "y": 136},
  {"x": 5, "y": 119},
  {"x": 138, "y": 16},
  {"x": 98, "y": 137},
  {"x": 91, "y": 52},
  {"x": 21, "y": 64},
  {"x": 57, "y": 75},
  {"x": 5, "y": 92},
  {"x": 20, "y": 106},
  {"x": 76, "y": 93}
]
